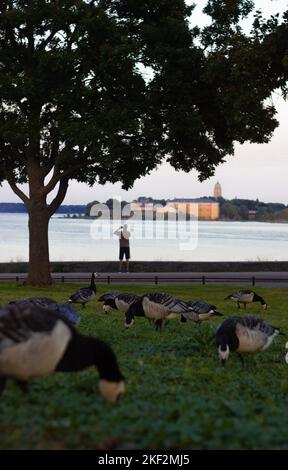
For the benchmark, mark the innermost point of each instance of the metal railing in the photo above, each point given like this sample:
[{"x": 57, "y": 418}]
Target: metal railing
[{"x": 155, "y": 279}]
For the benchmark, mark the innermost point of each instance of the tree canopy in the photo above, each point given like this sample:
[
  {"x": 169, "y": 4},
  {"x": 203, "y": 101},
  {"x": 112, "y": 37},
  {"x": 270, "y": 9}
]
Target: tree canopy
[
  {"x": 102, "y": 90},
  {"x": 73, "y": 95}
]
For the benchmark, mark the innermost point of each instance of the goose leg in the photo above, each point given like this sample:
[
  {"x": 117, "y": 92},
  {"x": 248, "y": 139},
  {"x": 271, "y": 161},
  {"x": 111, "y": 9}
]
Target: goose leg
[
  {"x": 23, "y": 386},
  {"x": 2, "y": 384},
  {"x": 245, "y": 305},
  {"x": 238, "y": 304},
  {"x": 158, "y": 325},
  {"x": 240, "y": 357},
  {"x": 183, "y": 319},
  {"x": 83, "y": 306}
]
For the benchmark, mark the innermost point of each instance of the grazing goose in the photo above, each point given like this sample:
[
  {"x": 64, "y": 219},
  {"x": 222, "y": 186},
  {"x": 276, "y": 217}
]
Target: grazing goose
[
  {"x": 158, "y": 307},
  {"x": 203, "y": 310},
  {"x": 108, "y": 296},
  {"x": 63, "y": 310},
  {"x": 35, "y": 342},
  {"x": 84, "y": 294},
  {"x": 118, "y": 301},
  {"x": 246, "y": 297},
  {"x": 243, "y": 334}
]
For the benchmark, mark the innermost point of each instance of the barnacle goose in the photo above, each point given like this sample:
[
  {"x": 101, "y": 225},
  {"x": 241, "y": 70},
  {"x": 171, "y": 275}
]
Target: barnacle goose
[
  {"x": 203, "y": 309},
  {"x": 246, "y": 297},
  {"x": 158, "y": 307},
  {"x": 63, "y": 310},
  {"x": 84, "y": 294},
  {"x": 244, "y": 334},
  {"x": 118, "y": 301},
  {"x": 35, "y": 342}
]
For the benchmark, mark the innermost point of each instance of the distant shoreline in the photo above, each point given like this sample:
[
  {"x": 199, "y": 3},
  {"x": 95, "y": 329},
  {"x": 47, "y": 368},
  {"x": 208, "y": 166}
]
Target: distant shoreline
[
  {"x": 75, "y": 215},
  {"x": 88, "y": 217}
]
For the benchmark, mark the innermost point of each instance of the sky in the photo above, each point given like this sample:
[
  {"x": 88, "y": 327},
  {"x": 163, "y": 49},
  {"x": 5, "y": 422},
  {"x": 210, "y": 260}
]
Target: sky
[{"x": 255, "y": 171}]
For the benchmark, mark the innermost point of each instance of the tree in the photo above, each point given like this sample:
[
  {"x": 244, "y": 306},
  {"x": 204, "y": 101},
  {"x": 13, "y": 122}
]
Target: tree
[
  {"x": 229, "y": 211},
  {"x": 75, "y": 102},
  {"x": 89, "y": 206}
]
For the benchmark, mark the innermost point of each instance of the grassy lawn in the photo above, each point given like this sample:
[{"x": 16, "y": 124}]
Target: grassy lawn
[{"x": 177, "y": 394}]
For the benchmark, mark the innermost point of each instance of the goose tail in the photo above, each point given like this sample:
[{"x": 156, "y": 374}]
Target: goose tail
[{"x": 217, "y": 314}]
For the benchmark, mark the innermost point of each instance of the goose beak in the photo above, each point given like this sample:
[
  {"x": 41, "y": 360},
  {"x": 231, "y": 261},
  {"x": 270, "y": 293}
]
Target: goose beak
[
  {"x": 111, "y": 391},
  {"x": 106, "y": 308},
  {"x": 128, "y": 325}
]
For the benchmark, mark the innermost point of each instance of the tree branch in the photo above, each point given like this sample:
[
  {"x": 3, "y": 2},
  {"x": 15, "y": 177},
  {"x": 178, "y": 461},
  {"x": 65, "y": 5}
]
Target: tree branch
[
  {"x": 53, "y": 181},
  {"x": 45, "y": 43},
  {"x": 57, "y": 201},
  {"x": 18, "y": 191},
  {"x": 47, "y": 168},
  {"x": 57, "y": 176}
]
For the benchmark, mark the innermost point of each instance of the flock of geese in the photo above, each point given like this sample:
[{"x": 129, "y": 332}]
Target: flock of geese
[{"x": 39, "y": 336}]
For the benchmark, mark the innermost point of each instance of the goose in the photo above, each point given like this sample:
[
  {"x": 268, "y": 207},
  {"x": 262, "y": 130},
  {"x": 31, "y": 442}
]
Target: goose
[
  {"x": 158, "y": 307},
  {"x": 246, "y": 297},
  {"x": 118, "y": 301},
  {"x": 84, "y": 294},
  {"x": 63, "y": 310},
  {"x": 244, "y": 334},
  {"x": 203, "y": 309},
  {"x": 35, "y": 342}
]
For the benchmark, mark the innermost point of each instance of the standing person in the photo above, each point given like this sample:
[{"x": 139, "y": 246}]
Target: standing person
[{"x": 124, "y": 246}]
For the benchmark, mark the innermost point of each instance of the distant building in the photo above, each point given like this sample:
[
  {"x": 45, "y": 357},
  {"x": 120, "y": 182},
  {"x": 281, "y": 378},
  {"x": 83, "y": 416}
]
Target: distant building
[
  {"x": 217, "y": 190},
  {"x": 252, "y": 215},
  {"x": 136, "y": 206},
  {"x": 203, "y": 208}
]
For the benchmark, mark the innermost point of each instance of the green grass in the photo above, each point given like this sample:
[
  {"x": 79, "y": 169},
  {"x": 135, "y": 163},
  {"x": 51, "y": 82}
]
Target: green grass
[{"x": 177, "y": 394}]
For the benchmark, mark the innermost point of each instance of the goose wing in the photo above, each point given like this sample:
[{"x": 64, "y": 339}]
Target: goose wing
[
  {"x": 242, "y": 295},
  {"x": 65, "y": 311},
  {"x": 165, "y": 302},
  {"x": 109, "y": 295},
  {"x": 199, "y": 306},
  {"x": 123, "y": 301},
  {"x": 40, "y": 301},
  {"x": 255, "y": 323},
  {"x": 18, "y": 323},
  {"x": 168, "y": 301},
  {"x": 82, "y": 295}
]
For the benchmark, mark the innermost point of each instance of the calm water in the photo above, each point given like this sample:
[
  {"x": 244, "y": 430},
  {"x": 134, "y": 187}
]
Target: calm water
[{"x": 79, "y": 239}]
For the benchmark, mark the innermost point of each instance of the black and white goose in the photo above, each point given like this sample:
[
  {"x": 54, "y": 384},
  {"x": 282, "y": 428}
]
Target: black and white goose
[
  {"x": 118, "y": 301},
  {"x": 84, "y": 294},
  {"x": 246, "y": 297},
  {"x": 244, "y": 334},
  {"x": 158, "y": 307},
  {"x": 35, "y": 342},
  {"x": 63, "y": 310},
  {"x": 203, "y": 309}
]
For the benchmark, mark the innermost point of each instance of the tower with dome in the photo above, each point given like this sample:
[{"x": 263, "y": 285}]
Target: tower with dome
[{"x": 217, "y": 190}]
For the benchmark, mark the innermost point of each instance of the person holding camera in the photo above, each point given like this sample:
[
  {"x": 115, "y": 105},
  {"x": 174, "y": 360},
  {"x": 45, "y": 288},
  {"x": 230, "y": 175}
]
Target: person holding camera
[{"x": 124, "y": 246}]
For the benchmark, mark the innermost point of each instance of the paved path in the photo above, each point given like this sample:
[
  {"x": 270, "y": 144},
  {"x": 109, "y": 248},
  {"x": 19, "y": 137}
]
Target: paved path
[{"x": 233, "y": 278}]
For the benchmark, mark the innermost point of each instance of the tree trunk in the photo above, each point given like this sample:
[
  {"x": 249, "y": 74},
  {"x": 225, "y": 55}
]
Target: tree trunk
[
  {"x": 39, "y": 217},
  {"x": 39, "y": 266}
]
